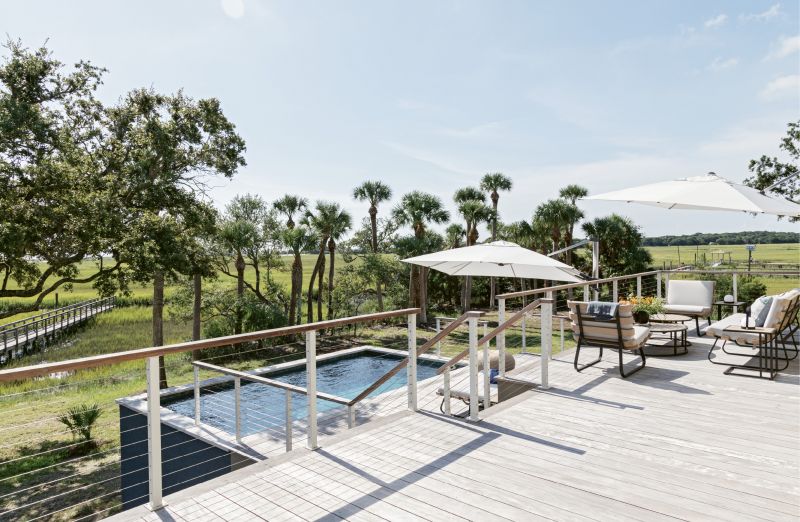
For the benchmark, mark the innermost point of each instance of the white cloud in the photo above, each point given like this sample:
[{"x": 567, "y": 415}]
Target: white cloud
[
  {"x": 233, "y": 8},
  {"x": 781, "y": 87},
  {"x": 720, "y": 64},
  {"x": 786, "y": 46},
  {"x": 717, "y": 20},
  {"x": 770, "y": 13}
]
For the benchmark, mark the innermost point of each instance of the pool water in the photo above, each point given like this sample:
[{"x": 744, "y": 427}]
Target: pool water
[{"x": 263, "y": 407}]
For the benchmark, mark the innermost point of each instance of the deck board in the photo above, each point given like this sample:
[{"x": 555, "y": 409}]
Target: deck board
[{"x": 677, "y": 441}]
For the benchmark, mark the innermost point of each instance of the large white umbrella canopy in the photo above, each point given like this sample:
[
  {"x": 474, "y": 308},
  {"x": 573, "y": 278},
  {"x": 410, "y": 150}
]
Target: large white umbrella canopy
[
  {"x": 709, "y": 192},
  {"x": 497, "y": 259}
]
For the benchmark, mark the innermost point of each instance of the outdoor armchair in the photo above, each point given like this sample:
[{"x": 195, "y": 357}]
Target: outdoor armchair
[
  {"x": 692, "y": 298},
  {"x": 615, "y": 330}
]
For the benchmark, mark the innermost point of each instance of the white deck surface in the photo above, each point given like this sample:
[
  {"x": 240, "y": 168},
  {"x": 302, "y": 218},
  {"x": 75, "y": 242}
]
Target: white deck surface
[{"x": 678, "y": 440}]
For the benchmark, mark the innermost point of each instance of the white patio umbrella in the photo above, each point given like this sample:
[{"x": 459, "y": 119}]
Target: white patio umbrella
[
  {"x": 709, "y": 192},
  {"x": 497, "y": 259}
]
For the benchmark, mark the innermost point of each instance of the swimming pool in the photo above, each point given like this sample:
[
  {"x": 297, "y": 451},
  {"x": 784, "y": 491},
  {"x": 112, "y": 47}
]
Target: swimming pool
[{"x": 263, "y": 407}]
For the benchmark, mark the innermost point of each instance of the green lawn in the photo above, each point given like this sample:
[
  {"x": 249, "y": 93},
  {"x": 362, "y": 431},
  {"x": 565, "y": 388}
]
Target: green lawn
[{"x": 777, "y": 253}]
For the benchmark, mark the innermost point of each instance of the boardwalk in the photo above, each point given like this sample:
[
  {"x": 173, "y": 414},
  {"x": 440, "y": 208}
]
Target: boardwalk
[
  {"x": 679, "y": 440},
  {"x": 17, "y": 336}
]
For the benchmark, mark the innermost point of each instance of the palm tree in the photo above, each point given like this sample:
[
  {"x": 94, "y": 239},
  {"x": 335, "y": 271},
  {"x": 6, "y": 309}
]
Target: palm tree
[
  {"x": 375, "y": 192},
  {"x": 455, "y": 234},
  {"x": 289, "y": 205},
  {"x": 340, "y": 223},
  {"x": 571, "y": 194},
  {"x": 474, "y": 212},
  {"x": 236, "y": 236},
  {"x": 418, "y": 209},
  {"x": 318, "y": 222},
  {"x": 297, "y": 239},
  {"x": 465, "y": 194},
  {"x": 556, "y": 214},
  {"x": 474, "y": 197},
  {"x": 493, "y": 183}
]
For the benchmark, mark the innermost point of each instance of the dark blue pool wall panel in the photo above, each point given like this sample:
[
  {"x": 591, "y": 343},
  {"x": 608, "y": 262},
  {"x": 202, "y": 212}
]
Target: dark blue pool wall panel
[{"x": 186, "y": 461}]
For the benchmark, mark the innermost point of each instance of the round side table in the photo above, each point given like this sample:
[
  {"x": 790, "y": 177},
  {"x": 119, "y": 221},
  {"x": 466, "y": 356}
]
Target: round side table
[{"x": 670, "y": 335}]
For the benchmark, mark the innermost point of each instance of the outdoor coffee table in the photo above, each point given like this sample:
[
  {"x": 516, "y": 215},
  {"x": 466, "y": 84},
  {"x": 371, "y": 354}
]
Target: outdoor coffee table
[{"x": 670, "y": 335}]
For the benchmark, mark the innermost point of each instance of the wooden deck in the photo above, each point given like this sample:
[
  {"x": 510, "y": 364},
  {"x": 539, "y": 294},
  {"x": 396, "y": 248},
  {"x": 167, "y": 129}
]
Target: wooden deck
[{"x": 678, "y": 440}]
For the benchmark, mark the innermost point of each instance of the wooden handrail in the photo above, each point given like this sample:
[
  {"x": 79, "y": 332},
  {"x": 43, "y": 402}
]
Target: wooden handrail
[
  {"x": 511, "y": 321},
  {"x": 269, "y": 382},
  {"x": 38, "y": 370},
  {"x": 422, "y": 349},
  {"x": 536, "y": 291}
]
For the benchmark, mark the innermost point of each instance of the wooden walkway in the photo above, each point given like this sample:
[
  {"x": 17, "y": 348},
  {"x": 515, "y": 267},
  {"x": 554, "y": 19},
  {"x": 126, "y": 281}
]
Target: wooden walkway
[
  {"x": 15, "y": 337},
  {"x": 678, "y": 440}
]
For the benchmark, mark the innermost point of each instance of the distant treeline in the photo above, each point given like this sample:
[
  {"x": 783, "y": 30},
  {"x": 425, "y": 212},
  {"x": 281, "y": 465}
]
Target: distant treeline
[{"x": 725, "y": 238}]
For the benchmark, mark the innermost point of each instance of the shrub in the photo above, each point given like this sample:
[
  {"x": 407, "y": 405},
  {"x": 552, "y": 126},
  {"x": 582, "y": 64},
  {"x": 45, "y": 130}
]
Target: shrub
[{"x": 80, "y": 421}]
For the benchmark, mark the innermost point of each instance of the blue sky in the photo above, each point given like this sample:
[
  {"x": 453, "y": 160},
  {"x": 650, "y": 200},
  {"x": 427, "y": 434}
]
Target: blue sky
[{"x": 431, "y": 95}]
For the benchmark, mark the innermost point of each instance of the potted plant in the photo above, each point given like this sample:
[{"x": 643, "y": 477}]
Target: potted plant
[{"x": 644, "y": 307}]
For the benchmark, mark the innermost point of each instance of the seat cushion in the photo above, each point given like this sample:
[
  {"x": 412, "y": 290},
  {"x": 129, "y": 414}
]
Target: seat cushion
[
  {"x": 777, "y": 312},
  {"x": 685, "y": 309},
  {"x": 717, "y": 327},
  {"x": 642, "y": 334},
  {"x": 695, "y": 293}
]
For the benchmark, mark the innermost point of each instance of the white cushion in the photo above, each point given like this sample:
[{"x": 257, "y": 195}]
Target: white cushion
[
  {"x": 776, "y": 312},
  {"x": 694, "y": 293},
  {"x": 759, "y": 310},
  {"x": 687, "y": 309},
  {"x": 717, "y": 327}
]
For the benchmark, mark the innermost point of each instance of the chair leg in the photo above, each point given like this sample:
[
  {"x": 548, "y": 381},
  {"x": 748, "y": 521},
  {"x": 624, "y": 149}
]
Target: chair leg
[
  {"x": 711, "y": 351},
  {"x": 622, "y": 367},
  {"x": 697, "y": 325},
  {"x": 580, "y": 367}
]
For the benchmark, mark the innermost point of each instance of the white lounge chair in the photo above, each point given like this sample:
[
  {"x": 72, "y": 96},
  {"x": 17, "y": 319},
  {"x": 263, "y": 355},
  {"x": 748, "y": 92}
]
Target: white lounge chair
[{"x": 692, "y": 298}]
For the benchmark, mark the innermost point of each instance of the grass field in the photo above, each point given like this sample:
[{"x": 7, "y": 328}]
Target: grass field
[{"x": 778, "y": 253}]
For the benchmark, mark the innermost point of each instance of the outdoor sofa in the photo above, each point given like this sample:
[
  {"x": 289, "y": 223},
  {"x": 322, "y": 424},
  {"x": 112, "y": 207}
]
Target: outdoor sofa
[{"x": 781, "y": 320}]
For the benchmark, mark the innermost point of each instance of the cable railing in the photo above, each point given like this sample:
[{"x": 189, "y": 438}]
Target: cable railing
[
  {"x": 239, "y": 376},
  {"x": 475, "y": 343},
  {"x": 140, "y": 448}
]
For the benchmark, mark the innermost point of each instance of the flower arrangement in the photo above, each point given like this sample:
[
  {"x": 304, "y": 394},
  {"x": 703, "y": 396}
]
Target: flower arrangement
[{"x": 644, "y": 307}]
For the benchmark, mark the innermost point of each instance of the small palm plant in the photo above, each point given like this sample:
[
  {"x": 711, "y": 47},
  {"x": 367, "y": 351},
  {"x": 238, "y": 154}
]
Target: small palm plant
[{"x": 80, "y": 421}]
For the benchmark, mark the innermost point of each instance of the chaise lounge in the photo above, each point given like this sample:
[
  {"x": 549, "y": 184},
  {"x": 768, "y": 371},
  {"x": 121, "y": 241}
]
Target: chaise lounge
[
  {"x": 607, "y": 325},
  {"x": 691, "y": 298}
]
